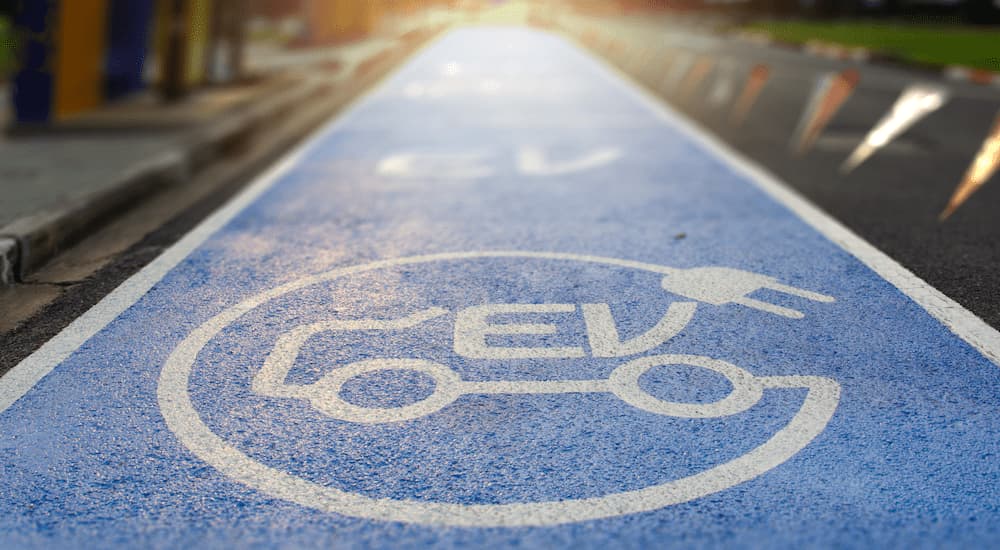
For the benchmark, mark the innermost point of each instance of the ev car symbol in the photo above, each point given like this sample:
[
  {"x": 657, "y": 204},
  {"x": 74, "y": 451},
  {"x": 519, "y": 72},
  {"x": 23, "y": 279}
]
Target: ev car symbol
[{"x": 474, "y": 332}]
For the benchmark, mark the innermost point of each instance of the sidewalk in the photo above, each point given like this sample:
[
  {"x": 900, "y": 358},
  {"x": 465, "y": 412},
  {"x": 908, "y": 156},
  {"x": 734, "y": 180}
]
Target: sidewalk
[{"x": 60, "y": 184}]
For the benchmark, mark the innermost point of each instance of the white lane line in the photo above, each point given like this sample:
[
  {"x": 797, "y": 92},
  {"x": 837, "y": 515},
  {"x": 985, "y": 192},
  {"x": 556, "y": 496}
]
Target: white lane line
[
  {"x": 20, "y": 379},
  {"x": 962, "y": 322}
]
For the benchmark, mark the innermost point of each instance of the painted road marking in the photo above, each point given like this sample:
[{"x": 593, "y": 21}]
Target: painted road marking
[
  {"x": 472, "y": 325},
  {"x": 331, "y": 360},
  {"x": 475, "y": 165}
]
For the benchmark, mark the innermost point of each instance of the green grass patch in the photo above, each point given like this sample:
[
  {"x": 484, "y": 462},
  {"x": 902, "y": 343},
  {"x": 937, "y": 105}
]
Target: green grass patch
[{"x": 934, "y": 44}]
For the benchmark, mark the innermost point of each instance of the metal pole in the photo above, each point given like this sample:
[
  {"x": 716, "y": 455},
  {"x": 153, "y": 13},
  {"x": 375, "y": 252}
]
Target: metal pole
[
  {"x": 214, "y": 71},
  {"x": 236, "y": 35},
  {"x": 173, "y": 85}
]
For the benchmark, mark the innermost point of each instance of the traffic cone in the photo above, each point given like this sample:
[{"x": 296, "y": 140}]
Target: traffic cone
[
  {"x": 980, "y": 171},
  {"x": 914, "y": 103},
  {"x": 724, "y": 84},
  {"x": 695, "y": 76},
  {"x": 678, "y": 68},
  {"x": 756, "y": 81},
  {"x": 830, "y": 94}
]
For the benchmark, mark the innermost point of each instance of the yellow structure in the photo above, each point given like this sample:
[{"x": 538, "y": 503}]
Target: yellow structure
[
  {"x": 336, "y": 20},
  {"x": 79, "y": 56},
  {"x": 198, "y": 20},
  {"x": 86, "y": 52}
]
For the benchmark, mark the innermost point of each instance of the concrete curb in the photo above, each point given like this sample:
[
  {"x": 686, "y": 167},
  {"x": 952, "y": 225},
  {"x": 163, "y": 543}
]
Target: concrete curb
[
  {"x": 975, "y": 76},
  {"x": 836, "y": 51},
  {"x": 8, "y": 258},
  {"x": 29, "y": 242},
  {"x": 754, "y": 37},
  {"x": 817, "y": 48},
  {"x": 40, "y": 236}
]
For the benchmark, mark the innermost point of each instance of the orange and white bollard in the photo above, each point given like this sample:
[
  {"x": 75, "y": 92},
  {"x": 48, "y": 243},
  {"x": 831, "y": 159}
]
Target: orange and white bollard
[
  {"x": 759, "y": 75},
  {"x": 980, "y": 171},
  {"x": 831, "y": 92}
]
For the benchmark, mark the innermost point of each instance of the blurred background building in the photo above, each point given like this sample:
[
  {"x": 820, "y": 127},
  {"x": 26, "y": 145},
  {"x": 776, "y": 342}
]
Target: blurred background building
[{"x": 65, "y": 57}]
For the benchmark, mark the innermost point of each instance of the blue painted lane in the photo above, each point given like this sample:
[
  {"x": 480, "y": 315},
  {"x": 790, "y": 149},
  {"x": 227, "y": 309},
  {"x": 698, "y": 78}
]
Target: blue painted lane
[{"x": 505, "y": 301}]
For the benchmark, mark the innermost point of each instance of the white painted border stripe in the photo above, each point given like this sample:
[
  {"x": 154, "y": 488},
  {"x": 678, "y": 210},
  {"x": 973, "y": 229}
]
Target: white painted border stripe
[
  {"x": 19, "y": 380},
  {"x": 965, "y": 324}
]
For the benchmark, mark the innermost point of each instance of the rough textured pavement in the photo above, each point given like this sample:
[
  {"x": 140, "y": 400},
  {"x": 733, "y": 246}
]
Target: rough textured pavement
[{"x": 507, "y": 300}]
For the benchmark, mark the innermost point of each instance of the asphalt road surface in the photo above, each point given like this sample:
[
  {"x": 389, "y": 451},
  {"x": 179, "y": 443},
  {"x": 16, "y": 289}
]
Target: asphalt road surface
[
  {"x": 893, "y": 199},
  {"x": 508, "y": 299}
]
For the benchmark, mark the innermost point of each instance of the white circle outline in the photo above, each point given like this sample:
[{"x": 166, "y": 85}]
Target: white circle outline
[
  {"x": 184, "y": 421},
  {"x": 325, "y": 394},
  {"x": 624, "y": 383}
]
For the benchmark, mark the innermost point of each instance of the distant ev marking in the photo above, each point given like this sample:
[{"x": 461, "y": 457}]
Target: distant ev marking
[
  {"x": 711, "y": 285},
  {"x": 471, "y": 165}
]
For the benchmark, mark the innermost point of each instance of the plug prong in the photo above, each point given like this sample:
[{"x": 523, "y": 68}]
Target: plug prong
[
  {"x": 770, "y": 308},
  {"x": 814, "y": 296}
]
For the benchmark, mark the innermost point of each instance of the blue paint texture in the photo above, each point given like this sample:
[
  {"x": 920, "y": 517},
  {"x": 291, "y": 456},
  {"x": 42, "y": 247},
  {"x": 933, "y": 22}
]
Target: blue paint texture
[{"x": 909, "y": 459}]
